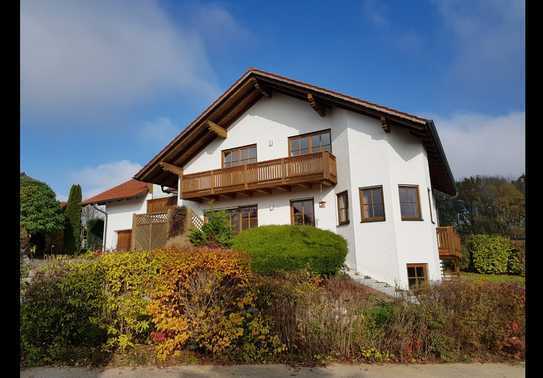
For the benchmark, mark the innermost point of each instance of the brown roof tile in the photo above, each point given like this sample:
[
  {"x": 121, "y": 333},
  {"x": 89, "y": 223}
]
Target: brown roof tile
[{"x": 128, "y": 189}]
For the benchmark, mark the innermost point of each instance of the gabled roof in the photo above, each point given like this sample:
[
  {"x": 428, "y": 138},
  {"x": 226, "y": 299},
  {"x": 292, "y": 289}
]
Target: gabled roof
[
  {"x": 128, "y": 189},
  {"x": 251, "y": 87}
]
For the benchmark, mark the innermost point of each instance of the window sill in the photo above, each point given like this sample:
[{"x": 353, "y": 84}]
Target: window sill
[
  {"x": 413, "y": 219},
  {"x": 343, "y": 224},
  {"x": 372, "y": 220}
]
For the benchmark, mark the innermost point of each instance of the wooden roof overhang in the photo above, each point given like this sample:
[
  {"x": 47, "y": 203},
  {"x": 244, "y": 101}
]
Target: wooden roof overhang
[{"x": 254, "y": 85}]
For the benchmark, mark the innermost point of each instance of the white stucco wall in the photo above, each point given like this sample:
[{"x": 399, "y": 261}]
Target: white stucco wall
[
  {"x": 119, "y": 217},
  {"x": 390, "y": 159},
  {"x": 365, "y": 156}
]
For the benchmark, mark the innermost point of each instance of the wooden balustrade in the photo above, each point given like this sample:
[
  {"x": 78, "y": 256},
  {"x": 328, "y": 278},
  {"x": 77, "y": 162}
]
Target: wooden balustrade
[
  {"x": 448, "y": 242},
  {"x": 319, "y": 167}
]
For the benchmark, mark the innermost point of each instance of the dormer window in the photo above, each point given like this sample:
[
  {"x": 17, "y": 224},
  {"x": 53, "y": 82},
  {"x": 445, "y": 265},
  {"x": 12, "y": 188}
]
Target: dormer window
[{"x": 310, "y": 143}]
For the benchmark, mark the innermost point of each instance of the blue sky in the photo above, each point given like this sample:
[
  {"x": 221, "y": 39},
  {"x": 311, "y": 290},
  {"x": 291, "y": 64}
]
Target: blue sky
[{"x": 106, "y": 84}]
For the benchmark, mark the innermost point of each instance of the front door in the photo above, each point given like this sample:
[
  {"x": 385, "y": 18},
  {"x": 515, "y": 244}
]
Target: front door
[{"x": 302, "y": 212}]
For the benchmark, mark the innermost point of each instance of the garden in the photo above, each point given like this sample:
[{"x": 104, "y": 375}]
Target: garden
[{"x": 269, "y": 294}]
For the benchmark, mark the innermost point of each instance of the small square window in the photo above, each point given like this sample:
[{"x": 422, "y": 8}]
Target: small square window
[{"x": 417, "y": 276}]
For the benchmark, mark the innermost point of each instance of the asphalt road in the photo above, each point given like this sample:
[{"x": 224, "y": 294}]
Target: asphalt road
[{"x": 276, "y": 371}]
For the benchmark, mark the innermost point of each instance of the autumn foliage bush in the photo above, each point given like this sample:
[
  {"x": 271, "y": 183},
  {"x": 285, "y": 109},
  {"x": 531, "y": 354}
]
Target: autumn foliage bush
[
  {"x": 204, "y": 299},
  {"x": 128, "y": 278},
  {"x": 454, "y": 321},
  {"x": 208, "y": 301}
]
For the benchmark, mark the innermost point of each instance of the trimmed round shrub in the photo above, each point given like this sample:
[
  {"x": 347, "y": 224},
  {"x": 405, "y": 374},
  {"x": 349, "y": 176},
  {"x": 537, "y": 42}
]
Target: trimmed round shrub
[
  {"x": 204, "y": 299},
  {"x": 287, "y": 248},
  {"x": 490, "y": 253}
]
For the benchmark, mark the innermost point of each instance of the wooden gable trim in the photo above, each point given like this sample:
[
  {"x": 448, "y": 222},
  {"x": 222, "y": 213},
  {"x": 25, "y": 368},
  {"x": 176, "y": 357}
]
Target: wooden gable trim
[
  {"x": 316, "y": 105},
  {"x": 216, "y": 129},
  {"x": 171, "y": 168}
]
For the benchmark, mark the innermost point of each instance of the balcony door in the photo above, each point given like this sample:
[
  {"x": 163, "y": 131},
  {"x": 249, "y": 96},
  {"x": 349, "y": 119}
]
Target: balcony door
[{"x": 302, "y": 212}]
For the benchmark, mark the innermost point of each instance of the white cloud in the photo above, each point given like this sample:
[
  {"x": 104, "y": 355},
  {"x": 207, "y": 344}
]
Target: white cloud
[
  {"x": 161, "y": 131},
  {"x": 477, "y": 144},
  {"x": 94, "y": 180},
  {"x": 87, "y": 56}
]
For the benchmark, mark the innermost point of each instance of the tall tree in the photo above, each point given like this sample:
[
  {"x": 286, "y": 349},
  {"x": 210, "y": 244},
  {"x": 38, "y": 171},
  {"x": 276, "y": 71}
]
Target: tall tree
[
  {"x": 72, "y": 227},
  {"x": 40, "y": 212},
  {"x": 485, "y": 205}
]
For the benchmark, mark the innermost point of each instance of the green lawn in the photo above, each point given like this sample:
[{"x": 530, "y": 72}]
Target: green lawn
[{"x": 493, "y": 277}]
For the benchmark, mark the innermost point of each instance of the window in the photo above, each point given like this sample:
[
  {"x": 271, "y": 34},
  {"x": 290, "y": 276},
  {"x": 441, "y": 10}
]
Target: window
[
  {"x": 417, "y": 275},
  {"x": 302, "y": 212},
  {"x": 310, "y": 143},
  {"x": 372, "y": 207},
  {"x": 343, "y": 208},
  {"x": 239, "y": 156},
  {"x": 430, "y": 204},
  {"x": 241, "y": 218},
  {"x": 409, "y": 202}
]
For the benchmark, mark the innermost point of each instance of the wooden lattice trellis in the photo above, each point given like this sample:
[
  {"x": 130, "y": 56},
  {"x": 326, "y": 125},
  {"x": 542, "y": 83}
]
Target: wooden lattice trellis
[{"x": 149, "y": 231}]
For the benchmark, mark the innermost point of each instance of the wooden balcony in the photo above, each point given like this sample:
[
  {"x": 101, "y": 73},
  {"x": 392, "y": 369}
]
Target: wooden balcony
[
  {"x": 448, "y": 242},
  {"x": 281, "y": 174}
]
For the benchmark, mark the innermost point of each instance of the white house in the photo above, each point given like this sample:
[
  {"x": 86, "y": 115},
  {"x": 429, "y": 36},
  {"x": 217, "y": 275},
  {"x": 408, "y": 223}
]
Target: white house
[{"x": 273, "y": 150}]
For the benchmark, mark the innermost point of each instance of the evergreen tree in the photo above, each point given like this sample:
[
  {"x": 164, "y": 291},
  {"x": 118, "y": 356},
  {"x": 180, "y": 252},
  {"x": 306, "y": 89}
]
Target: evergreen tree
[{"x": 72, "y": 227}]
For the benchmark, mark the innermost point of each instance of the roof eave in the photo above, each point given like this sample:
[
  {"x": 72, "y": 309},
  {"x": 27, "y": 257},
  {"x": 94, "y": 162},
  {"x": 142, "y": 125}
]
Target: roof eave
[{"x": 433, "y": 131}]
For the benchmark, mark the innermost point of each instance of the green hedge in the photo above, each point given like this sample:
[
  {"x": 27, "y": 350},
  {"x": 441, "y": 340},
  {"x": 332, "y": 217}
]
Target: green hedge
[
  {"x": 490, "y": 253},
  {"x": 286, "y": 248},
  {"x": 81, "y": 309},
  {"x": 517, "y": 257},
  {"x": 60, "y": 312}
]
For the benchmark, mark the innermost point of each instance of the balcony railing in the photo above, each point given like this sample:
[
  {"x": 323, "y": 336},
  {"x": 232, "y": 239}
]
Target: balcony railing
[
  {"x": 448, "y": 242},
  {"x": 319, "y": 167}
]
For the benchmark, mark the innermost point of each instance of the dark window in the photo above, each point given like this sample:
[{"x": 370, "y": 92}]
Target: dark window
[
  {"x": 310, "y": 143},
  {"x": 241, "y": 218},
  {"x": 239, "y": 156},
  {"x": 372, "y": 207},
  {"x": 302, "y": 212},
  {"x": 409, "y": 202},
  {"x": 417, "y": 275},
  {"x": 343, "y": 208}
]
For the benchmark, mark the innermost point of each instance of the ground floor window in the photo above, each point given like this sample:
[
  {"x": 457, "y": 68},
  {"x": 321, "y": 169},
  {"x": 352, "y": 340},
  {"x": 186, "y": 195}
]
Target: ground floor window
[
  {"x": 417, "y": 275},
  {"x": 242, "y": 218},
  {"x": 302, "y": 212}
]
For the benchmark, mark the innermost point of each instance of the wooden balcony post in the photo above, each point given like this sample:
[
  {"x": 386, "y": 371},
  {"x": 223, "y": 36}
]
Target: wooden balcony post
[
  {"x": 212, "y": 181},
  {"x": 245, "y": 184},
  {"x": 325, "y": 164}
]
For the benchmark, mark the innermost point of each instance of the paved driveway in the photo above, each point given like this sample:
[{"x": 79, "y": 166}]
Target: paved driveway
[{"x": 277, "y": 371}]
